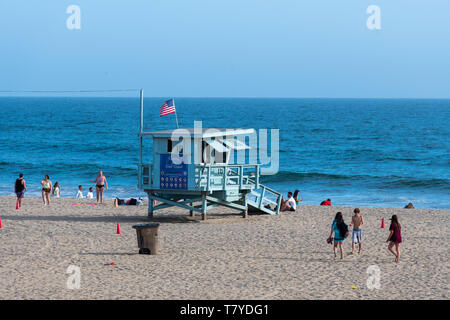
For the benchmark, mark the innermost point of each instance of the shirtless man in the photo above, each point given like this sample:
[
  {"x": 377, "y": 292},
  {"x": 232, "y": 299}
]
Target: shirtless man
[{"x": 358, "y": 223}]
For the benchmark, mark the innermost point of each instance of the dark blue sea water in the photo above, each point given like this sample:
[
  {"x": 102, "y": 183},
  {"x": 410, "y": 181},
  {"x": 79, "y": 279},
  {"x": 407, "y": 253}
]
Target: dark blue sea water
[{"x": 364, "y": 152}]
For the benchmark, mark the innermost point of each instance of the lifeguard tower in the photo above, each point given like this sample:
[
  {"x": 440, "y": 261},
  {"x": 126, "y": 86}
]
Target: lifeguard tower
[{"x": 191, "y": 169}]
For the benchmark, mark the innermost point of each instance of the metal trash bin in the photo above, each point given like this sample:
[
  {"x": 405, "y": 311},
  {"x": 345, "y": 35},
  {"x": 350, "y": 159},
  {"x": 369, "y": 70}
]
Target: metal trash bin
[{"x": 147, "y": 237}]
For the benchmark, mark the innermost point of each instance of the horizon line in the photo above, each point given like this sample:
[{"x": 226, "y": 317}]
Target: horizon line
[{"x": 222, "y": 97}]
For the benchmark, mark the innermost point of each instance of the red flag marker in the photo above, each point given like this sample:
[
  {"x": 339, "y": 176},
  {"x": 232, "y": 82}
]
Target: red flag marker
[
  {"x": 382, "y": 223},
  {"x": 118, "y": 229},
  {"x": 1, "y": 223}
]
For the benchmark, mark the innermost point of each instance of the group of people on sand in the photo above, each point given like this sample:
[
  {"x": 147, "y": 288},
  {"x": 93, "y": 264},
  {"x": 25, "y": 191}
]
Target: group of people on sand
[
  {"x": 292, "y": 201},
  {"x": 89, "y": 195},
  {"x": 49, "y": 189},
  {"x": 340, "y": 230}
]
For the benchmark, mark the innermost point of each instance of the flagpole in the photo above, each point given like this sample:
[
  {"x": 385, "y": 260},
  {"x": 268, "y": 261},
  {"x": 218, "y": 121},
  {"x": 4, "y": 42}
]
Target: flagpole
[
  {"x": 141, "y": 137},
  {"x": 176, "y": 117}
]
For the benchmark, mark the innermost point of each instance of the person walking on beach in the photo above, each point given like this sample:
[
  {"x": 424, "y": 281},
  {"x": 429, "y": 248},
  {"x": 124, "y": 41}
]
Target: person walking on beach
[
  {"x": 19, "y": 188},
  {"x": 395, "y": 237},
  {"x": 56, "y": 190},
  {"x": 340, "y": 230},
  {"x": 46, "y": 189},
  {"x": 358, "y": 223},
  {"x": 101, "y": 184}
]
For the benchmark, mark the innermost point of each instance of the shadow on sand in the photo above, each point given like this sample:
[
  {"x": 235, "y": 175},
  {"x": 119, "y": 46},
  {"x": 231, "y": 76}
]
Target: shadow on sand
[
  {"x": 110, "y": 253},
  {"x": 129, "y": 219}
]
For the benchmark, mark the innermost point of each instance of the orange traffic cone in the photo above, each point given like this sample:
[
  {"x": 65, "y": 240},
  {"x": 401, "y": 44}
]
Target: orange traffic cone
[
  {"x": 382, "y": 223},
  {"x": 118, "y": 229},
  {"x": 17, "y": 205}
]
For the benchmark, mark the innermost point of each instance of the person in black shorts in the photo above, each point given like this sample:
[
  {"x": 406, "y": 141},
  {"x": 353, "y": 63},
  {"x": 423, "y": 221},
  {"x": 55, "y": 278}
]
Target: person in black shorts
[
  {"x": 19, "y": 188},
  {"x": 100, "y": 186}
]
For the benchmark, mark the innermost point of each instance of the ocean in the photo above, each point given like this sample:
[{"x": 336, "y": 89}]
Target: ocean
[{"x": 357, "y": 152}]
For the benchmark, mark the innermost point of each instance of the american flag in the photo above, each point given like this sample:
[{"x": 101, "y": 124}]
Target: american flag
[{"x": 168, "y": 107}]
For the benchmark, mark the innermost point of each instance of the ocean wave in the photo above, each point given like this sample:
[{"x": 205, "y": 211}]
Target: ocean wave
[
  {"x": 376, "y": 181},
  {"x": 397, "y": 159},
  {"x": 285, "y": 176},
  {"x": 420, "y": 183}
]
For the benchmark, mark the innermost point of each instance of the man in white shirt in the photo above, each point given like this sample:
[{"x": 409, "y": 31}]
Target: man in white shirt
[
  {"x": 90, "y": 194},
  {"x": 80, "y": 192},
  {"x": 291, "y": 202}
]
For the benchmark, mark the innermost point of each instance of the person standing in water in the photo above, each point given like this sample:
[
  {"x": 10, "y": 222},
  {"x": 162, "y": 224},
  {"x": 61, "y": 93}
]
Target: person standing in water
[
  {"x": 19, "y": 188},
  {"x": 340, "y": 229},
  {"x": 101, "y": 184},
  {"x": 46, "y": 189},
  {"x": 358, "y": 223},
  {"x": 395, "y": 237}
]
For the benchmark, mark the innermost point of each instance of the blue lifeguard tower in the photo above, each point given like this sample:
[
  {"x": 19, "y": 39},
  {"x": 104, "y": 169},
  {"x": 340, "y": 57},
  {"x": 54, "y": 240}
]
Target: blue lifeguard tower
[{"x": 191, "y": 169}]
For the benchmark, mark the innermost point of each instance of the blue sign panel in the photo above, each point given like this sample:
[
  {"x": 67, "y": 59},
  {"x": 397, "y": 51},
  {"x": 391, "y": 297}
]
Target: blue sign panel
[{"x": 172, "y": 176}]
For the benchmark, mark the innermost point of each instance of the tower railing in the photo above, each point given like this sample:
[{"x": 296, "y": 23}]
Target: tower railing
[{"x": 210, "y": 177}]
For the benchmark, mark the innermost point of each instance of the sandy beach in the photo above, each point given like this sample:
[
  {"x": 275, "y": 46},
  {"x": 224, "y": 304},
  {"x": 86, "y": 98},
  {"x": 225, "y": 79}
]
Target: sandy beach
[{"x": 226, "y": 257}]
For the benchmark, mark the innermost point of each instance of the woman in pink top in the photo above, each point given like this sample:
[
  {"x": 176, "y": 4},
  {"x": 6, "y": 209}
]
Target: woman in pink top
[
  {"x": 101, "y": 184},
  {"x": 395, "y": 237}
]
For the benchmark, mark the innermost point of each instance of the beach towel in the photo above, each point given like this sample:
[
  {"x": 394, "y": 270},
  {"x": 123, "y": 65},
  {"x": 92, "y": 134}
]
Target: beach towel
[{"x": 85, "y": 203}]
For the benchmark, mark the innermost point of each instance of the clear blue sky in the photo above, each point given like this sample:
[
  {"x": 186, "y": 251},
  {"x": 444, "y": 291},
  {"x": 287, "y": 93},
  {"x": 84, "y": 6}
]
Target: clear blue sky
[{"x": 229, "y": 48}]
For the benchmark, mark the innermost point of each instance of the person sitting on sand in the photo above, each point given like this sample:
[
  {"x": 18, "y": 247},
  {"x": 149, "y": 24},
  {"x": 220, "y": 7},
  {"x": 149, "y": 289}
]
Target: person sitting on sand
[
  {"x": 409, "y": 206},
  {"x": 289, "y": 204},
  {"x": 283, "y": 205},
  {"x": 296, "y": 196},
  {"x": 358, "y": 223},
  {"x": 128, "y": 202},
  {"x": 90, "y": 194},
  {"x": 46, "y": 189},
  {"x": 19, "y": 188},
  {"x": 80, "y": 192},
  {"x": 340, "y": 229},
  {"x": 100, "y": 186},
  {"x": 56, "y": 190},
  {"x": 395, "y": 237},
  {"x": 326, "y": 202}
]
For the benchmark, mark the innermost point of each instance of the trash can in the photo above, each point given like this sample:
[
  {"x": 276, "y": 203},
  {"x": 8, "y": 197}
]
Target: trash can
[{"x": 147, "y": 237}]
